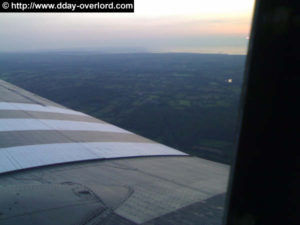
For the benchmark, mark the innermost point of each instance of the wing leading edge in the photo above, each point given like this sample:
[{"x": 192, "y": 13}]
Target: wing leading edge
[{"x": 60, "y": 138}]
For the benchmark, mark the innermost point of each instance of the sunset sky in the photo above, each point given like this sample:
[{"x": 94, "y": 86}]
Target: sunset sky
[{"x": 210, "y": 26}]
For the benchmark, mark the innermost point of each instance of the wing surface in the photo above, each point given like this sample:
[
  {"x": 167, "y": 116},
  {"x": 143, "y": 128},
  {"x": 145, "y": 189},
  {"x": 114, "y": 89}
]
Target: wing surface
[{"x": 60, "y": 166}]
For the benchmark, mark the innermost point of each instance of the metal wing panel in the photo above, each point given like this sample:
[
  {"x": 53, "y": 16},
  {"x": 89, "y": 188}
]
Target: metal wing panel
[{"x": 139, "y": 190}]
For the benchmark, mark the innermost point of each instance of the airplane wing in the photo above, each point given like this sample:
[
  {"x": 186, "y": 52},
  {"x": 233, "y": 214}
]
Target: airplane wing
[{"x": 60, "y": 166}]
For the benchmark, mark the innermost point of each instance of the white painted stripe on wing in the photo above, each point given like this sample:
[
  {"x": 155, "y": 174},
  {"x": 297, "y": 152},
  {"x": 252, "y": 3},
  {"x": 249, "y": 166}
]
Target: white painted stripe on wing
[
  {"x": 40, "y": 124},
  {"x": 37, "y": 108},
  {"x": 129, "y": 149},
  {"x": 23, "y": 157}
]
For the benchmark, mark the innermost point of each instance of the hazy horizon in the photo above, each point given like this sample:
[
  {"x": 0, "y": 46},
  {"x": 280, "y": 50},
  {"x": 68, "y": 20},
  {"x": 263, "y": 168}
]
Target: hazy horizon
[
  {"x": 196, "y": 26},
  {"x": 118, "y": 51}
]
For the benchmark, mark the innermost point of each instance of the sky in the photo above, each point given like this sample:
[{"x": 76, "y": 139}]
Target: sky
[{"x": 204, "y": 26}]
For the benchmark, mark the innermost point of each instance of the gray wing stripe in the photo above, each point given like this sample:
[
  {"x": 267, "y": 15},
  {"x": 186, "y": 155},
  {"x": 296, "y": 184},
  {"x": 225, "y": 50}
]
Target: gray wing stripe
[
  {"x": 19, "y": 138},
  {"x": 17, "y": 114}
]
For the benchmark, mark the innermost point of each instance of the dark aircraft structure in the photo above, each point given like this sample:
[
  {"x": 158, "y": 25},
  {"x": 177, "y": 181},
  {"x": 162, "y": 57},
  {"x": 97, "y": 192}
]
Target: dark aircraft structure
[{"x": 264, "y": 184}]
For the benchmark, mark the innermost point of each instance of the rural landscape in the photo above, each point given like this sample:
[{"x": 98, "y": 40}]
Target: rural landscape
[{"x": 186, "y": 101}]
